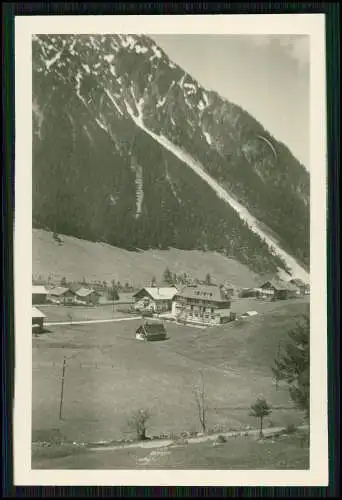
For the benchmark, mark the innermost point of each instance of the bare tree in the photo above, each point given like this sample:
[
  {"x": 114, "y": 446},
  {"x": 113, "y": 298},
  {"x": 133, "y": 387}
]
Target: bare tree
[
  {"x": 138, "y": 422},
  {"x": 200, "y": 399}
]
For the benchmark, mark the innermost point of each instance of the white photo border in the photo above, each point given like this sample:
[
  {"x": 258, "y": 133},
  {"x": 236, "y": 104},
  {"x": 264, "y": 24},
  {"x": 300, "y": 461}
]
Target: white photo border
[{"x": 312, "y": 25}]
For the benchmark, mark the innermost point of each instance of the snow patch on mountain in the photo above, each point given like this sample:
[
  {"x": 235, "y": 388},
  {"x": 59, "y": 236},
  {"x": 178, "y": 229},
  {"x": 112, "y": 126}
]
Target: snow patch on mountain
[
  {"x": 139, "y": 189},
  {"x": 86, "y": 68},
  {"x": 102, "y": 125},
  {"x": 139, "y": 49},
  {"x": 39, "y": 115},
  {"x": 171, "y": 184},
  {"x": 127, "y": 41},
  {"x": 85, "y": 128},
  {"x": 161, "y": 102},
  {"x": 51, "y": 62},
  {"x": 108, "y": 58},
  {"x": 208, "y": 138},
  {"x": 156, "y": 53},
  {"x": 78, "y": 87}
]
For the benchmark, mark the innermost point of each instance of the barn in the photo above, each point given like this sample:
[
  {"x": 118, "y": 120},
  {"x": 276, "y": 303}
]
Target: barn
[
  {"x": 151, "y": 332},
  {"x": 39, "y": 294},
  {"x": 304, "y": 288},
  {"x": 279, "y": 290},
  {"x": 87, "y": 296},
  {"x": 61, "y": 295}
]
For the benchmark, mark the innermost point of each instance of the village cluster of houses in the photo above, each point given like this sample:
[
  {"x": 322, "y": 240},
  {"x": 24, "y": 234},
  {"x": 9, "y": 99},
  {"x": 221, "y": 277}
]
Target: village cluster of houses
[
  {"x": 65, "y": 295},
  {"x": 208, "y": 304},
  {"x": 198, "y": 303},
  {"x": 278, "y": 289}
]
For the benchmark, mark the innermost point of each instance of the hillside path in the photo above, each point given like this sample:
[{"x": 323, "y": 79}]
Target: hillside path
[
  {"x": 85, "y": 322},
  {"x": 163, "y": 443}
]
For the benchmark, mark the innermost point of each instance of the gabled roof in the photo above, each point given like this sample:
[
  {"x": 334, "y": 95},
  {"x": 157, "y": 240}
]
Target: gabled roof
[
  {"x": 162, "y": 293},
  {"x": 84, "y": 292},
  {"x": 280, "y": 285},
  {"x": 36, "y": 313},
  {"x": 204, "y": 292},
  {"x": 39, "y": 290},
  {"x": 298, "y": 282},
  {"x": 152, "y": 328},
  {"x": 59, "y": 291}
]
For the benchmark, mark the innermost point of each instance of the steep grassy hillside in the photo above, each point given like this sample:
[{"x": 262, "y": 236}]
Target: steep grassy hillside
[{"x": 76, "y": 258}]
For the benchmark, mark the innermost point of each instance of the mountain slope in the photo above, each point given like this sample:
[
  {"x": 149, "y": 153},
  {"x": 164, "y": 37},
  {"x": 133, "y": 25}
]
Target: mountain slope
[
  {"x": 101, "y": 175},
  {"x": 77, "y": 259}
]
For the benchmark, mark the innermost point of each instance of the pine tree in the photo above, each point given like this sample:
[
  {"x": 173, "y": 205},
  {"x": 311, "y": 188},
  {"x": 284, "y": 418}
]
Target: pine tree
[
  {"x": 64, "y": 282},
  {"x": 167, "y": 276},
  {"x": 260, "y": 409},
  {"x": 207, "y": 279},
  {"x": 293, "y": 365},
  {"x": 113, "y": 292}
]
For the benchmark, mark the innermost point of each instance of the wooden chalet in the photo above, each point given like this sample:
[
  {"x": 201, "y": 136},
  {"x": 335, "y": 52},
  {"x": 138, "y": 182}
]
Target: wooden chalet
[
  {"x": 61, "y": 295},
  {"x": 87, "y": 296},
  {"x": 279, "y": 290},
  {"x": 151, "y": 332}
]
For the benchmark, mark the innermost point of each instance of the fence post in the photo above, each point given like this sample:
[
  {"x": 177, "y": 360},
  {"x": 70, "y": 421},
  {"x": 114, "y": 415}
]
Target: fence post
[{"x": 62, "y": 389}]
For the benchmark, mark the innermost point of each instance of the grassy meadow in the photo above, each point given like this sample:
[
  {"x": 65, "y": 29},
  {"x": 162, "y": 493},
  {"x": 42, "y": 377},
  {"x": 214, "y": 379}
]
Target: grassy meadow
[
  {"x": 56, "y": 313},
  {"x": 76, "y": 258},
  {"x": 109, "y": 375}
]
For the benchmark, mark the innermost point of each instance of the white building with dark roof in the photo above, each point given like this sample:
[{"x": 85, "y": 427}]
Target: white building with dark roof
[
  {"x": 202, "y": 304},
  {"x": 154, "y": 299}
]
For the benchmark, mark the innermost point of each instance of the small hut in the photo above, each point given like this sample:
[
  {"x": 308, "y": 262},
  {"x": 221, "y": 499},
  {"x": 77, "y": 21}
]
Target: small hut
[
  {"x": 37, "y": 319},
  {"x": 151, "y": 332}
]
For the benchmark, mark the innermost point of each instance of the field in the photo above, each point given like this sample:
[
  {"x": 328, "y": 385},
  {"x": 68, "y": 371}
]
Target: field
[
  {"x": 288, "y": 452},
  {"x": 109, "y": 375},
  {"x": 76, "y": 258},
  {"x": 55, "y": 313}
]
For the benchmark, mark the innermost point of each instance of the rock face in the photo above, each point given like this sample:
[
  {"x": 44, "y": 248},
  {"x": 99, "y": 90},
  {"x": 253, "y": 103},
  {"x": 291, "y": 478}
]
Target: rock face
[{"x": 116, "y": 125}]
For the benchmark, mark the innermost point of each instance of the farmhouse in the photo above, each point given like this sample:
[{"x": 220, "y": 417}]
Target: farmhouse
[
  {"x": 279, "y": 290},
  {"x": 151, "y": 332},
  {"x": 37, "y": 318},
  {"x": 87, "y": 296},
  {"x": 251, "y": 292},
  {"x": 39, "y": 294},
  {"x": 61, "y": 295},
  {"x": 154, "y": 299},
  {"x": 304, "y": 288},
  {"x": 202, "y": 304},
  {"x": 228, "y": 289}
]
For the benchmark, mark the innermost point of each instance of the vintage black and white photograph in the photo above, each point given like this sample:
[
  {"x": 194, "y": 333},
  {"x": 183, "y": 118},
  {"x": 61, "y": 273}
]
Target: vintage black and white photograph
[{"x": 171, "y": 269}]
